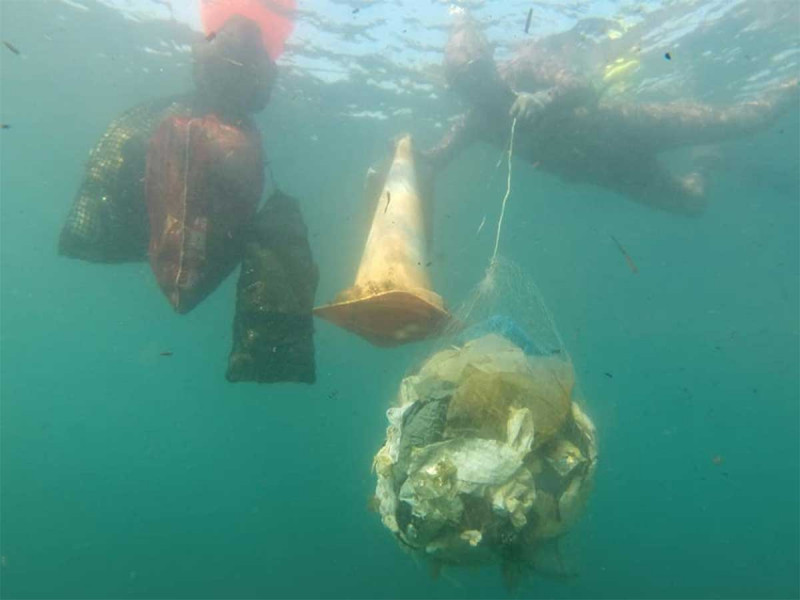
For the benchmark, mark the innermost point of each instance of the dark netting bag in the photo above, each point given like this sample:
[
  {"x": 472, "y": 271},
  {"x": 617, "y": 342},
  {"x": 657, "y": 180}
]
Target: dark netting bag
[
  {"x": 273, "y": 328},
  {"x": 108, "y": 219},
  {"x": 203, "y": 184}
]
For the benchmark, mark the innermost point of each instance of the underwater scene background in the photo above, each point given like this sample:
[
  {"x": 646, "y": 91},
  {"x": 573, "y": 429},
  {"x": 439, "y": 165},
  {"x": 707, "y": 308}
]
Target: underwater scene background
[{"x": 127, "y": 473}]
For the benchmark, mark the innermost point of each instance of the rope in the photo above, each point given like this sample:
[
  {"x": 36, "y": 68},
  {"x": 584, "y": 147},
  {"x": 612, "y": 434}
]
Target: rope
[{"x": 505, "y": 198}]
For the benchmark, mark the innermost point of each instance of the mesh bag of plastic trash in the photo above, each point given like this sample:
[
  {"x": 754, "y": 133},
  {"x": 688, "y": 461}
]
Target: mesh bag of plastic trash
[
  {"x": 273, "y": 330},
  {"x": 488, "y": 455},
  {"x": 108, "y": 219},
  {"x": 203, "y": 183}
]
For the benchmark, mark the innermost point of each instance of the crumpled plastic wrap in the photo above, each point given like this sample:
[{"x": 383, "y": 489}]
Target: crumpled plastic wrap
[{"x": 486, "y": 454}]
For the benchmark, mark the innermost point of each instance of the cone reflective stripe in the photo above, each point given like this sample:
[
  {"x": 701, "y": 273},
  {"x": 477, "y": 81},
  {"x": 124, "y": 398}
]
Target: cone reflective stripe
[{"x": 391, "y": 302}]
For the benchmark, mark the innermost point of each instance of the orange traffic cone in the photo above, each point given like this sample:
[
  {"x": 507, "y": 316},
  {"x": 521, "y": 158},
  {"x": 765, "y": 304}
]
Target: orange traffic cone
[{"x": 391, "y": 302}]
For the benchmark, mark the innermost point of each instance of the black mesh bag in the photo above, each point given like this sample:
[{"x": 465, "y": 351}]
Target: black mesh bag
[{"x": 273, "y": 329}]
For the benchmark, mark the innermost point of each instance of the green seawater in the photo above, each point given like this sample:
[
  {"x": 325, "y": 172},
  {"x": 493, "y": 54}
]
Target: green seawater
[{"x": 127, "y": 474}]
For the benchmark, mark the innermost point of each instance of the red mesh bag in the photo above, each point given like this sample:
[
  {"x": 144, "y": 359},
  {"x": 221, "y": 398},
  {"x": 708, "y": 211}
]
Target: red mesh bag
[{"x": 203, "y": 183}]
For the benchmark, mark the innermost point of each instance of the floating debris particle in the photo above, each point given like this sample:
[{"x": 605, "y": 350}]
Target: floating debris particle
[
  {"x": 528, "y": 20},
  {"x": 634, "y": 269},
  {"x": 165, "y": 353},
  {"x": 667, "y": 55},
  {"x": 717, "y": 460},
  {"x": 5, "y": 126},
  {"x": 210, "y": 37},
  {"x": 11, "y": 47},
  {"x": 388, "y": 200},
  {"x": 609, "y": 375}
]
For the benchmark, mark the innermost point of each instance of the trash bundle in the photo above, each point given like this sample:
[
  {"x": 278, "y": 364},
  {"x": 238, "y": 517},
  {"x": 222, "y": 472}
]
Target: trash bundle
[
  {"x": 108, "y": 219},
  {"x": 189, "y": 185},
  {"x": 203, "y": 183},
  {"x": 488, "y": 456}
]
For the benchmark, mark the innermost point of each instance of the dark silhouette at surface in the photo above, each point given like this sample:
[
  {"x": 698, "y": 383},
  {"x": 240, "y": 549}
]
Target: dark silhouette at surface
[{"x": 568, "y": 128}]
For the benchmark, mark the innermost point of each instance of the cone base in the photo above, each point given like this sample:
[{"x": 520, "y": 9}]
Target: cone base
[{"x": 389, "y": 318}]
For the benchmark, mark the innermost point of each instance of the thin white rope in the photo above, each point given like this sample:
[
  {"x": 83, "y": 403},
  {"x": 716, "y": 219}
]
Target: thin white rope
[{"x": 505, "y": 198}]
